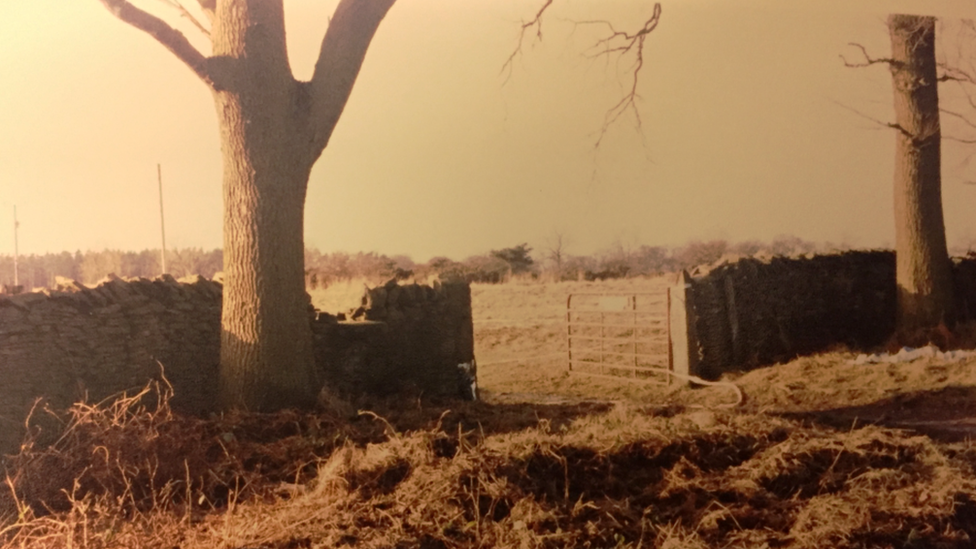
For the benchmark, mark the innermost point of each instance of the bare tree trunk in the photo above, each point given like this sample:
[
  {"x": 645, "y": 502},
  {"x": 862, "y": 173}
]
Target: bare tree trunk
[
  {"x": 924, "y": 271},
  {"x": 272, "y": 130},
  {"x": 266, "y": 343}
]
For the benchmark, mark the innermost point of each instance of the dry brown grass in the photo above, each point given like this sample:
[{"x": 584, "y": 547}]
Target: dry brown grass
[{"x": 128, "y": 475}]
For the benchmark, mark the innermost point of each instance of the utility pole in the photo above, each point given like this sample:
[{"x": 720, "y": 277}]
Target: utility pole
[
  {"x": 16, "y": 224},
  {"x": 162, "y": 224}
]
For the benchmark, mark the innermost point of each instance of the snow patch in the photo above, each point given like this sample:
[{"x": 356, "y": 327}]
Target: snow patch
[{"x": 909, "y": 354}]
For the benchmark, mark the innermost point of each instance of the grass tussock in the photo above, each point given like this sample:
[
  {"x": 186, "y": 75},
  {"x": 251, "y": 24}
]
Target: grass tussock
[
  {"x": 130, "y": 474},
  {"x": 83, "y": 476}
]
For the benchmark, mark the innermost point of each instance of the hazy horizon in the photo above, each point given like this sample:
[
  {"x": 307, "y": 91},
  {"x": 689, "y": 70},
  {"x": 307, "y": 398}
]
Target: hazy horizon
[{"x": 542, "y": 251}]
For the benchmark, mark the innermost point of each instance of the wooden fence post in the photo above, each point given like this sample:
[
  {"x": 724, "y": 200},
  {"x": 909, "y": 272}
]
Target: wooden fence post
[{"x": 684, "y": 342}]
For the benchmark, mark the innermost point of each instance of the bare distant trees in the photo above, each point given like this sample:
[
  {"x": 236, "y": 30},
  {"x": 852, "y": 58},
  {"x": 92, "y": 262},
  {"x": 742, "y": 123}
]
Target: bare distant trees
[
  {"x": 91, "y": 266},
  {"x": 556, "y": 252},
  {"x": 322, "y": 270}
]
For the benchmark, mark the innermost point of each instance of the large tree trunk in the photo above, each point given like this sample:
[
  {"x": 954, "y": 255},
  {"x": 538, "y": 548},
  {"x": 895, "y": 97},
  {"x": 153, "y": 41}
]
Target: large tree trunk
[
  {"x": 266, "y": 357},
  {"x": 266, "y": 343},
  {"x": 924, "y": 271},
  {"x": 272, "y": 129}
]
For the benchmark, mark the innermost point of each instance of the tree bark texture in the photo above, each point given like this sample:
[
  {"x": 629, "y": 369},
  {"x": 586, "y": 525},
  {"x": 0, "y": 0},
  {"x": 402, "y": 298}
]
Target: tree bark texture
[
  {"x": 266, "y": 343},
  {"x": 272, "y": 133},
  {"x": 272, "y": 130},
  {"x": 924, "y": 271}
]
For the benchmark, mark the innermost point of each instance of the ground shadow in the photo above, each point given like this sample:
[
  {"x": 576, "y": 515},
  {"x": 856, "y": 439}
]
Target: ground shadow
[
  {"x": 947, "y": 414},
  {"x": 488, "y": 418}
]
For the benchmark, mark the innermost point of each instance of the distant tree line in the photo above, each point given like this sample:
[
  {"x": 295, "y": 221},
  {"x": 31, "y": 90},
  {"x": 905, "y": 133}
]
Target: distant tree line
[
  {"x": 618, "y": 261},
  {"x": 552, "y": 264},
  {"x": 323, "y": 269},
  {"x": 89, "y": 267}
]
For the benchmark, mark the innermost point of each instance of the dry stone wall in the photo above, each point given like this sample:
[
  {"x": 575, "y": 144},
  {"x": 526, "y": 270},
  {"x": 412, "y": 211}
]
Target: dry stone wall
[
  {"x": 751, "y": 312},
  {"x": 403, "y": 338},
  {"x": 75, "y": 343}
]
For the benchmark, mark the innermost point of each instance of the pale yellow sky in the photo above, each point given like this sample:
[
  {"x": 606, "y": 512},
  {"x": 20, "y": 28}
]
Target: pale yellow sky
[{"x": 436, "y": 154}]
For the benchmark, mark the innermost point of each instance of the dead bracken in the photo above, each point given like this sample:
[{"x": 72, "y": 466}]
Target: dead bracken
[{"x": 131, "y": 473}]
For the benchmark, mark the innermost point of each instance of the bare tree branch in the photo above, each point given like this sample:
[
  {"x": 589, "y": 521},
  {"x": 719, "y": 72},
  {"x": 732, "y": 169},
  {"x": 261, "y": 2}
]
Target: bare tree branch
[
  {"x": 964, "y": 78},
  {"x": 617, "y": 42},
  {"x": 965, "y": 37},
  {"x": 881, "y": 123},
  {"x": 868, "y": 60},
  {"x": 535, "y": 22},
  {"x": 341, "y": 56},
  {"x": 959, "y": 116},
  {"x": 186, "y": 13},
  {"x": 170, "y": 38},
  {"x": 208, "y": 7},
  {"x": 623, "y": 43},
  {"x": 959, "y": 140},
  {"x": 955, "y": 74},
  {"x": 970, "y": 97},
  {"x": 958, "y": 67},
  {"x": 951, "y": 74}
]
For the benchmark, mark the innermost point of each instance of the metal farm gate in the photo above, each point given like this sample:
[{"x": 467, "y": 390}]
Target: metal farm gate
[{"x": 624, "y": 335}]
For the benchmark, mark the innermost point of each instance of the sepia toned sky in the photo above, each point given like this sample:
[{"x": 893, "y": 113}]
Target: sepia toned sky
[{"x": 749, "y": 130}]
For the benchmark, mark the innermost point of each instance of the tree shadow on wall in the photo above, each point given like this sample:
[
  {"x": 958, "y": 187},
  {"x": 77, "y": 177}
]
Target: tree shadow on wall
[{"x": 947, "y": 414}]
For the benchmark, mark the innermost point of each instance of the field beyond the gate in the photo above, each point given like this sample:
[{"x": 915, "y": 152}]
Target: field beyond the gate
[{"x": 820, "y": 453}]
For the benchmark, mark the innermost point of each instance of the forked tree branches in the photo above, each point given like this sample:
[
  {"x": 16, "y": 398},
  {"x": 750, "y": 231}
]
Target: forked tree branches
[
  {"x": 966, "y": 82},
  {"x": 341, "y": 56},
  {"x": 958, "y": 68},
  {"x": 616, "y": 42},
  {"x": 950, "y": 73},
  {"x": 534, "y": 23},
  {"x": 623, "y": 43},
  {"x": 170, "y": 38}
]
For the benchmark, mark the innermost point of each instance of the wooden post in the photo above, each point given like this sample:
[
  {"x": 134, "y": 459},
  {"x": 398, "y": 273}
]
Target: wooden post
[
  {"x": 667, "y": 331},
  {"x": 16, "y": 251},
  {"x": 569, "y": 330},
  {"x": 162, "y": 223},
  {"x": 633, "y": 331},
  {"x": 683, "y": 342}
]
